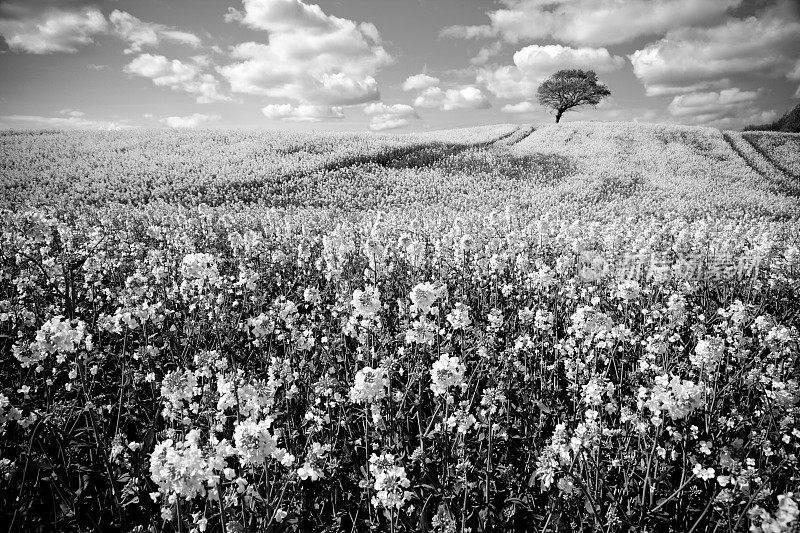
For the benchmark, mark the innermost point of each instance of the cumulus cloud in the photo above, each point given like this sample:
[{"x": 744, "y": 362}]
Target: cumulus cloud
[
  {"x": 282, "y": 16},
  {"x": 538, "y": 62},
  {"x": 139, "y": 34},
  {"x": 68, "y": 122},
  {"x": 591, "y": 22},
  {"x": 419, "y": 82},
  {"x": 53, "y": 30},
  {"x": 709, "y": 103},
  {"x": 431, "y": 95},
  {"x": 532, "y": 64},
  {"x": 486, "y": 53},
  {"x": 178, "y": 76},
  {"x": 311, "y": 58},
  {"x": 691, "y": 59},
  {"x": 191, "y": 121},
  {"x": 727, "y": 107},
  {"x": 388, "y": 117},
  {"x": 466, "y": 97},
  {"x": 522, "y": 107},
  {"x": 506, "y": 81},
  {"x": 302, "y": 112}
]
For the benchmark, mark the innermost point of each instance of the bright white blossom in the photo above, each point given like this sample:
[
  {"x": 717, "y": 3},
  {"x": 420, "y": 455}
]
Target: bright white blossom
[
  {"x": 446, "y": 372},
  {"x": 459, "y": 316},
  {"x": 254, "y": 441},
  {"x": 200, "y": 266},
  {"x": 390, "y": 482},
  {"x": 367, "y": 302},
  {"x": 55, "y": 336},
  {"x": 708, "y": 352},
  {"x": 424, "y": 295},
  {"x": 370, "y": 385}
]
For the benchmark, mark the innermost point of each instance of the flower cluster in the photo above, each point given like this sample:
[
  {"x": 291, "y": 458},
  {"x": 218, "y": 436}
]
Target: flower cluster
[
  {"x": 55, "y": 336},
  {"x": 369, "y": 386},
  {"x": 446, "y": 372},
  {"x": 184, "y": 468},
  {"x": 390, "y": 482},
  {"x": 786, "y": 518}
]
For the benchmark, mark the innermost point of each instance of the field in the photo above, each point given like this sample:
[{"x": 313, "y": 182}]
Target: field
[{"x": 578, "y": 327}]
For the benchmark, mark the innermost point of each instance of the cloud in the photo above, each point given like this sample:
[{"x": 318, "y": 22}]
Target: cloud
[
  {"x": 486, "y": 53},
  {"x": 70, "y": 122},
  {"x": 431, "y": 95},
  {"x": 727, "y": 107},
  {"x": 311, "y": 58},
  {"x": 469, "y": 32},
  {"x": 692, "y": 59},
  {"x": 532, "y": 64},
  {"x": 522, "y": 107},
  {"x": 71, "y": 112},
  {"x": 419, "y": 82},
  {"x": 591, "y": 22},
  {"x": 302, "y": 112},
  {"x": 379, "y": 108},
  {"x": 139, "y": 34},
  {"x": 182, "y": 37},
  {"x": 466, "y": 97},
  {"x": 506, "y": 82},
  {"x": 795, "y": 72},
  {"x": 191, "y": 121},
  {"x": 388, "y": 117},
  {"x": 201, "y": 60},
  {"x": 710, "y": 103},
  {"x": 282, "y": 16},
  {"x": 178, "y": 76},
  {"x": 795, "y": 75},
  {"x": 387, "y": 122},
  {"x": 93, "y": 66},
  {"x": 54, "y": 30},
  {"x": 538, "y": 62}
]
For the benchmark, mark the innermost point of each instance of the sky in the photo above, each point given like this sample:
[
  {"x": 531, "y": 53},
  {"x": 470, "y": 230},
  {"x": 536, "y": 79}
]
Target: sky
[{"x": 390, "y": 65}]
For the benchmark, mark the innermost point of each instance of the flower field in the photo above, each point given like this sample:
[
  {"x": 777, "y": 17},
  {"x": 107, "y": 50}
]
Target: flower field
[{"x": 584, "y": 327}]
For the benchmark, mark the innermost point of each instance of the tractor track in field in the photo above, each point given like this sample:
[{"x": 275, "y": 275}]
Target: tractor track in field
[
  {"x": 741, "y": 153},
  {"x": 412, "y": 156},
  {"x": 527, "y": 131},
  {"x": 768, "y": 158},
  {"x": 500, "y": 139},
  {"x": 515, "y": 136},
  {"x": 780, "y": 181}
]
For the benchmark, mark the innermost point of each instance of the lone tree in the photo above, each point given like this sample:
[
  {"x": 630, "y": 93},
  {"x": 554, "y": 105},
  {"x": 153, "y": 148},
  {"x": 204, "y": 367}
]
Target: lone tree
[{"x": 570, "y": 88}]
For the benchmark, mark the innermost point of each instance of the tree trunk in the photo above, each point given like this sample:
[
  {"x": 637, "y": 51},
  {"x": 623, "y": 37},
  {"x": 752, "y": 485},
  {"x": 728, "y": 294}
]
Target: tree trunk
[{"x": 558, "y": 115}]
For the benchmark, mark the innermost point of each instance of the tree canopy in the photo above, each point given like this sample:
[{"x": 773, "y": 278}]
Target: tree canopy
[{"x": 571, "y": 88}]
